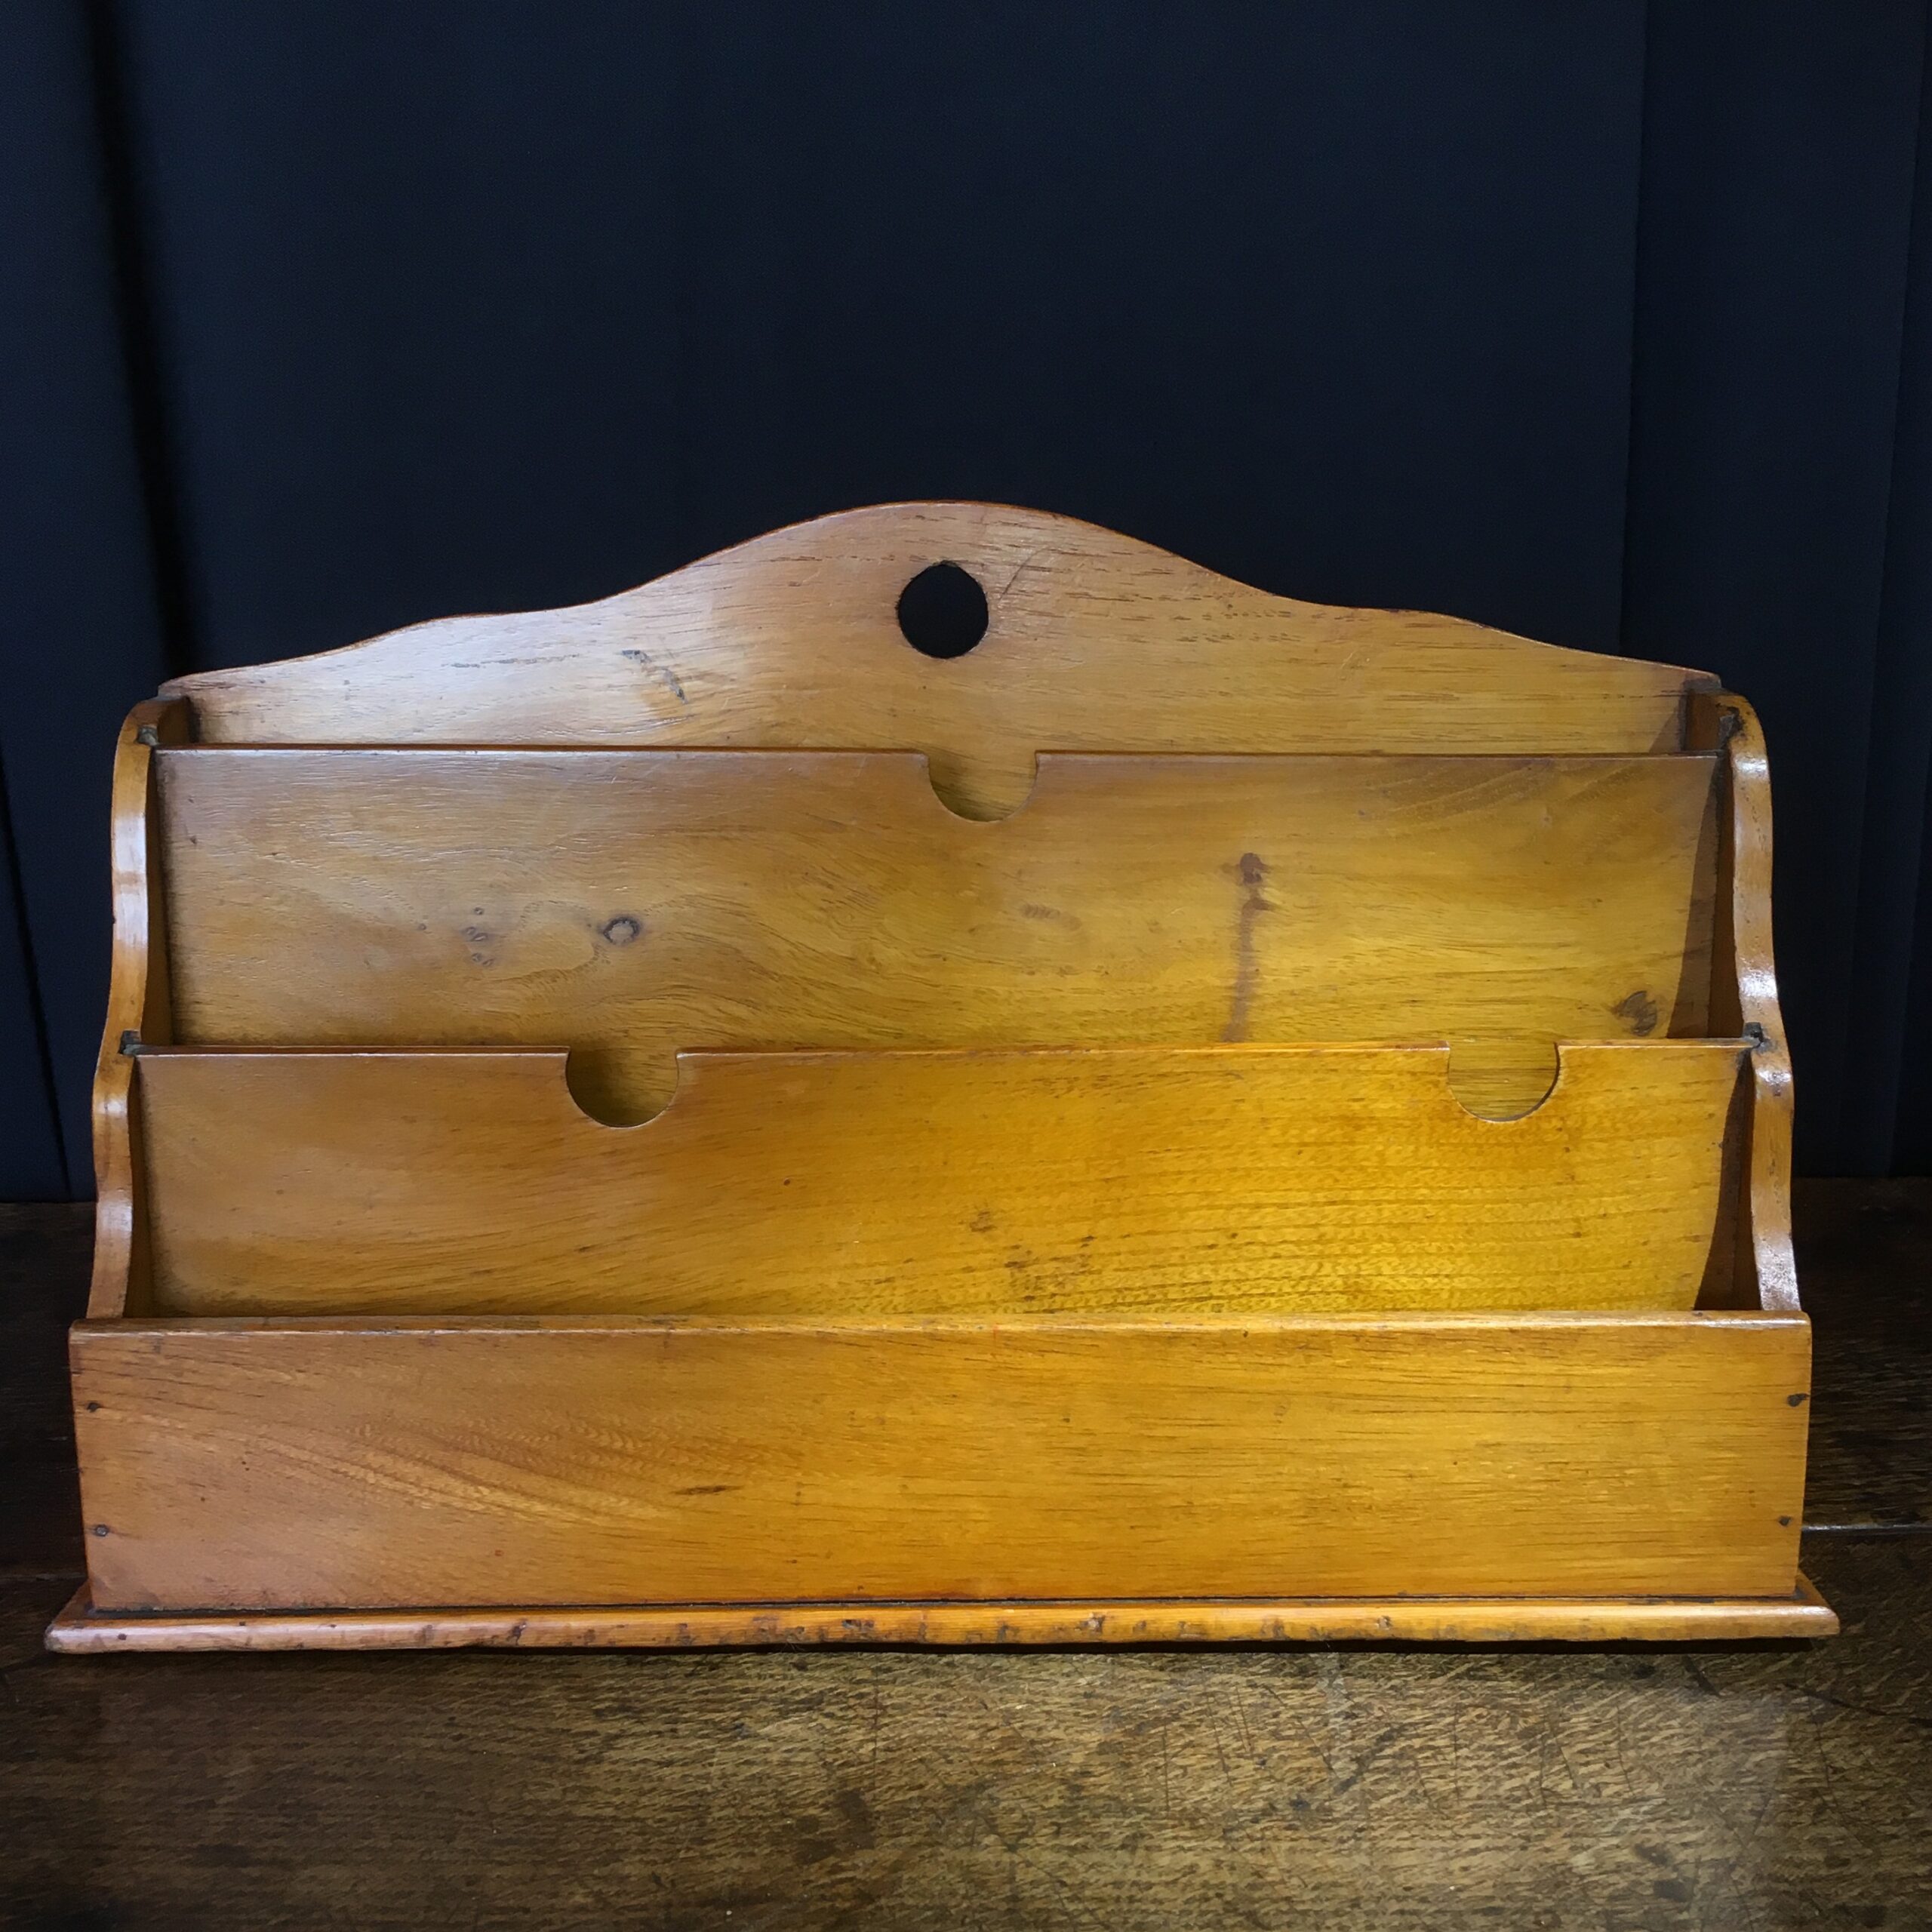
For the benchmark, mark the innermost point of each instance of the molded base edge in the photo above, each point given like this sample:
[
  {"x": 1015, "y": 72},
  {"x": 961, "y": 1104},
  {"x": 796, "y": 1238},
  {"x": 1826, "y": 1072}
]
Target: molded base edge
[{"x": 81, "y": 1628}]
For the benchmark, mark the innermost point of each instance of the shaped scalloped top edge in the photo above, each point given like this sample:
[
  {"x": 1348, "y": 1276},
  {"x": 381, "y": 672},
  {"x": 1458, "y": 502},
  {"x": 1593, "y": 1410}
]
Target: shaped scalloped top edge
[{"x": 1095, "y": 641}]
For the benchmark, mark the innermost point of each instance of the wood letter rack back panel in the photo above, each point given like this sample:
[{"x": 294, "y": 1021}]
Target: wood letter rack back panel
[{"x": 688, "y": 1120}]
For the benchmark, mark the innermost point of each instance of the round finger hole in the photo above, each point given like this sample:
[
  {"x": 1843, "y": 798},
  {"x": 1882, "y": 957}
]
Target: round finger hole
[{"x": 942, "y": 611}]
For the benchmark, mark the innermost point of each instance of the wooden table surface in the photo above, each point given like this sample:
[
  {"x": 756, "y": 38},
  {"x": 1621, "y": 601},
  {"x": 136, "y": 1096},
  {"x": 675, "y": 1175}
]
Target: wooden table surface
[{"x": 1631, "y": 1789}]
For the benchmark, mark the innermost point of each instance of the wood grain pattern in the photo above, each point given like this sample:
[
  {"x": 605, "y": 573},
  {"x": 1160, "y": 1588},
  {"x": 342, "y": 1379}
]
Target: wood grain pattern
[
  {"x": 1097, "y": 642},
  {"x": 81, "y": 1630},
  {"x": 626, "y": 905},
  {"x": 1148, "y": 1182},
  {"x": 267, "y": 1466},
  {"x": 1274, "y": 1788}
]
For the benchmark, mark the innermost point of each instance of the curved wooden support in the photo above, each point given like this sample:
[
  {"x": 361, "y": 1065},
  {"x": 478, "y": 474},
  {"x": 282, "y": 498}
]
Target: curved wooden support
[
  {"x": 1761, "y": 1021},
  {"x": 1096, "y": 642},
  {"x": 139, "y": 1009}
]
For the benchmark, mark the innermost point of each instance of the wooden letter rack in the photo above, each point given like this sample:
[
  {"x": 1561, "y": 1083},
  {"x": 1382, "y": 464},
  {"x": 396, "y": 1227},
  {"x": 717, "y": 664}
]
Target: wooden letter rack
[{"x": 689, "y": 1120}]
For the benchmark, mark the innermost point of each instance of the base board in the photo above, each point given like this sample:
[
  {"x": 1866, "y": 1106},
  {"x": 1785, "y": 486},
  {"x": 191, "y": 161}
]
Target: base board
[{"x": 81, "y": 1628}]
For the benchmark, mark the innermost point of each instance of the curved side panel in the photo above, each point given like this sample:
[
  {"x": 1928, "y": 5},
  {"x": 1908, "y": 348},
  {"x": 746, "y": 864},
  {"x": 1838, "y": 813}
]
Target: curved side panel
[
  {"x": 1095, "y": 642},
  {"x": 137, "y": 1003},
  {"x": 1770, "y": 1172}
]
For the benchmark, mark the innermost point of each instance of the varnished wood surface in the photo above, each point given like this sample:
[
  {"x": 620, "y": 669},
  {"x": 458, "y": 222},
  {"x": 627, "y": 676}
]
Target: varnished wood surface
[
  {"x": 1095, "y": 642},
  {"x": 139, "y": 1002},
  {"x": 1753, "y": 976},
  {"x": 1865, "y": 1248},
  {"x": 81, "y": 1629},
  {"x": 1705, "y": 1788},
  {"x": 309, "y": 1465},
  {"x": 1702, "y": 1788},
  {"x": 628, "y": 905},
  {"x": 1109, "y": 1182}
]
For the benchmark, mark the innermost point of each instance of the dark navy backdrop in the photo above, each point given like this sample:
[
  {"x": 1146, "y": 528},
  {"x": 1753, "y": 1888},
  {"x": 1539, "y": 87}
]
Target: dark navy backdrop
[{"x": 1606, "y": 322}]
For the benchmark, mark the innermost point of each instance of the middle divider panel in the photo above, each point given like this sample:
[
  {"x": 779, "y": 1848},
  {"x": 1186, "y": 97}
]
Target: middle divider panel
[{"x": 629, "y": 904}]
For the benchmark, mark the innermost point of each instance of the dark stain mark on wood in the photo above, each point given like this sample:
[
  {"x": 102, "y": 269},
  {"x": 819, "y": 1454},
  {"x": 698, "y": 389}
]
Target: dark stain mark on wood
[
  {"x": 859, "y": 1834},
  {"x": 1252, "y": 875},
  {"x": 621, "y": 931},
  {"x": 1640, "y": 1011},
  {"x": 662, "y": 673}
]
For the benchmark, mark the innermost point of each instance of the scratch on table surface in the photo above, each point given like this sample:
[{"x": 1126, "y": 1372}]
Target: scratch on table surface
[{"x": 1018, "y": 570}]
